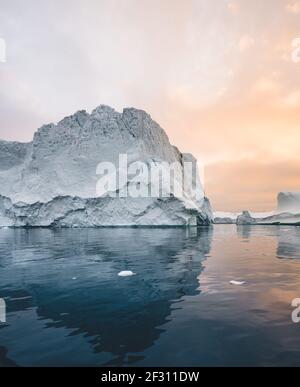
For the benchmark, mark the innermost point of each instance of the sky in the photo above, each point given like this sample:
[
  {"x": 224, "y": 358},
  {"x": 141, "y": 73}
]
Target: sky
[{"x": 222, "y": 77}]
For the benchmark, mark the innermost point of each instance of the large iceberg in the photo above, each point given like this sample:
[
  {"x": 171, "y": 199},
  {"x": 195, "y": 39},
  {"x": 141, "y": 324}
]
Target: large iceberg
[{"x": 52, "y": 180}]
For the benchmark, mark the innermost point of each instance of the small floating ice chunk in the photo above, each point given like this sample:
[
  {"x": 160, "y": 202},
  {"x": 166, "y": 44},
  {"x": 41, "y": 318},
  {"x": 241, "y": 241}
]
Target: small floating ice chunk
[
  {"x": 126, "y": 273},
  {"x": 237, "y": 283},
  {"x": 74, "y": 278}
]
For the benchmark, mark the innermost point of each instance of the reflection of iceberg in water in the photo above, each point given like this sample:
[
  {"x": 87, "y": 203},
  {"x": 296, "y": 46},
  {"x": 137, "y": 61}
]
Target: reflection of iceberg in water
[
  {"x": 244, "y": 231},
  {"x": 120, "y": 316},
  {"x": 288, "y": 238},
  {"x": 289, "y": 243}
]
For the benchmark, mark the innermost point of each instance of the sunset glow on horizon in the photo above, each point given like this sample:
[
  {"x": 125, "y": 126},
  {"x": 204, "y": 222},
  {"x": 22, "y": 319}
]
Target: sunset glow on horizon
[{"x": 222, "y": 77}]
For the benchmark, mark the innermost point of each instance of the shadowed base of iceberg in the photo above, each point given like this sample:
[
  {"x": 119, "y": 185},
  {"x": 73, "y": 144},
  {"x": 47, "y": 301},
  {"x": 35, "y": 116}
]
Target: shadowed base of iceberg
[{"x": 68, "y": 211}]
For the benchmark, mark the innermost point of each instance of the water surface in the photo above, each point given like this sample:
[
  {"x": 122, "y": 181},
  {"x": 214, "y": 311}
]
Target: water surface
[{"x": 66, "y": 305}]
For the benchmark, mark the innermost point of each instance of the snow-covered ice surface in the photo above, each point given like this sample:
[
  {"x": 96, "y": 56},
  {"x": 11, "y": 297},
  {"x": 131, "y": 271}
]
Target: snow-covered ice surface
[{"x": 52, "y": 180}]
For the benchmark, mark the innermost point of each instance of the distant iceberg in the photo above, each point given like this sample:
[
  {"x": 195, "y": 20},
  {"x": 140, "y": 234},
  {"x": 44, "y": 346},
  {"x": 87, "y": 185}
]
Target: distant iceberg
[
  {"x": 287, "y": 213},
  {"x": 288, "y": 202}
]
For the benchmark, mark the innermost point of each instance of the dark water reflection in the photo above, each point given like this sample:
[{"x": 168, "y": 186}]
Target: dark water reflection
[
  {"x": 115, "y": 316},
  {"x": 67, "y": 306},
  {"x": 289, "y": 243}
]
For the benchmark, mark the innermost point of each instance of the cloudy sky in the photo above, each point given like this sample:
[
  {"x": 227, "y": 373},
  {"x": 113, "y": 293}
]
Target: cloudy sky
[{"x": 222, "y": 77}]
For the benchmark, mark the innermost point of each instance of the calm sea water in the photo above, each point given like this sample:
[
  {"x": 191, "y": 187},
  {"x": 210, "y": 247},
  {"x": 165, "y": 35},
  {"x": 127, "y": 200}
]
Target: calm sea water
[{"x": 66, "y": 305}]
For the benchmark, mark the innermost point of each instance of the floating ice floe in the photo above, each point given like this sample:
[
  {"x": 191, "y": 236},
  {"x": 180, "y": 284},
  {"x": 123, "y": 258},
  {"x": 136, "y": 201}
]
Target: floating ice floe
[
  {"x": 238, "y": 283},
  {"x": 74, "y": 278},
  {"x": 126, "y": 273}
]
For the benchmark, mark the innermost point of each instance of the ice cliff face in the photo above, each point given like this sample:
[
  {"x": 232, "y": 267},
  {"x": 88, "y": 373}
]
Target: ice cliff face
[
  {"x": 52, "y": 180},
  {"x": 67, "y": 211}
]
